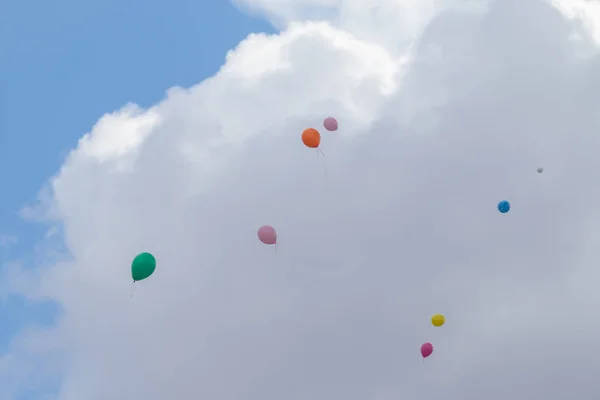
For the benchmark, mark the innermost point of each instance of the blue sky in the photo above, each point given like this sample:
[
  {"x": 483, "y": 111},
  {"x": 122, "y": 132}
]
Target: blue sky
[{"x": 63, "y": 64}]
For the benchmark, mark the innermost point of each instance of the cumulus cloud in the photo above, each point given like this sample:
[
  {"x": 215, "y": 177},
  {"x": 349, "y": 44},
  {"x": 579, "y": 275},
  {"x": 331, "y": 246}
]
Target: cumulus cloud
[
  {"x": 394, "y": 23},
  {"x": 431, "y": 137}
]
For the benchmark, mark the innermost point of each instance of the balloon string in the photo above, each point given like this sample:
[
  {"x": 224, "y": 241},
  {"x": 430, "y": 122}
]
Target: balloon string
[
  {"x": 324, "y": 165},
  {"x": 132, "y": 289}
]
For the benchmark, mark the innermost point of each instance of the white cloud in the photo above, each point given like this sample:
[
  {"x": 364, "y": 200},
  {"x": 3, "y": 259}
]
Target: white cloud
[
  {"x": 393, "y": 23},
  {"x": 405, "y": 225},
  {"x": 586, "y": 12}
]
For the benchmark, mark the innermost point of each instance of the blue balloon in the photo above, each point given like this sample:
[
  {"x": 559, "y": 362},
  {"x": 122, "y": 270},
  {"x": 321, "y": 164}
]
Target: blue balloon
[{"x": 503, "y": 206}]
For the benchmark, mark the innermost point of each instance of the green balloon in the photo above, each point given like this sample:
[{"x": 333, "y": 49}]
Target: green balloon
[{"x": 143, "y": 266}]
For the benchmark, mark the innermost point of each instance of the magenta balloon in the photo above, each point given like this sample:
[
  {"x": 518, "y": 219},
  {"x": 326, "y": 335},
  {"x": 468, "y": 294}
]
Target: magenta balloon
[
  {"x": 267, "y": 234},
  {"x": 330, "y": 124},
  {"x": 426, "y": 350}
]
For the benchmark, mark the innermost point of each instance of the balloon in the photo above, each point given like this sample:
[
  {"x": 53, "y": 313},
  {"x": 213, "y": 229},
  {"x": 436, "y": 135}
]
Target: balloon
[
  {"x": 143, "y": 266},
  {"x": 540, "y": 170},
  {"x": 504, "y": 206},
  {"x": 438, "y": 320},
  {"x": 311, "y": 138},
  {"x": 267, "y": 234},
  {"x": 330, "y": 124},
  {"x": 426, "y": 350}
]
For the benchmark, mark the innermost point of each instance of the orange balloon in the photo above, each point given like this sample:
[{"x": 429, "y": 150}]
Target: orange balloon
[{"x": 311, "y": 138}]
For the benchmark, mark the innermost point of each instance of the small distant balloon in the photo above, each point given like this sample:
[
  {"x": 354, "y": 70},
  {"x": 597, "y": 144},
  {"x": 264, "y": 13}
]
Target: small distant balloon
[
  {"x": 143, "y": 266},
  {"x": 504, "y": 206},
  {"x": 330, "y": 124},
  {"x": 426, "y": 350},
  {"x": 267, "y": 234},
  {"x": 438, "y": 320},
  {"x": 540, "y": 170},
  {"x": 311, "y": 138}
]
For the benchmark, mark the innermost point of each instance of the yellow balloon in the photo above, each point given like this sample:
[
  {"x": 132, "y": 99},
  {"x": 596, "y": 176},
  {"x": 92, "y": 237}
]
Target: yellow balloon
[{"x": 438, "y": 320}]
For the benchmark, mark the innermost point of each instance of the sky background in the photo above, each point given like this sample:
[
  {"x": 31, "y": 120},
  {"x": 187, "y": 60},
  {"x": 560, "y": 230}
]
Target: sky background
[
  {"x": 445, "y": 108},
  {"x": 68, "y": 62}
]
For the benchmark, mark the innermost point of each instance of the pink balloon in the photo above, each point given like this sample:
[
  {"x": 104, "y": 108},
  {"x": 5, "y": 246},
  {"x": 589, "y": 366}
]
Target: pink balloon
[
  {"x": 267, "y": 234},
  {"x": 330, "y": 124},
  {"x": 426, "y": 350}
]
